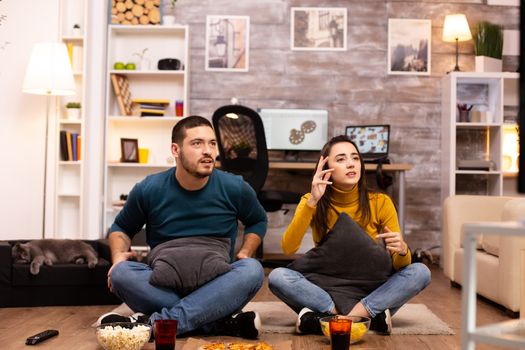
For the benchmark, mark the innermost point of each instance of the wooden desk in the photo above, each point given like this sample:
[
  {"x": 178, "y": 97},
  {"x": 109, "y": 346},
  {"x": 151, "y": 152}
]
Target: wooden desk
[{"x": 398, "y": 168}]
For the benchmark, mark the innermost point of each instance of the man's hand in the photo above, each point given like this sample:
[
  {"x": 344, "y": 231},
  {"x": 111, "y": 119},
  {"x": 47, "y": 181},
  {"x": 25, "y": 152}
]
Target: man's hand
[
  {"x": 119, "y": 243},
  {"x": 243, "y": 254},
  {"x": 118, "y": 258},
  {"x": 249, "y": 246},
  {"x": 394, "y": 241}
]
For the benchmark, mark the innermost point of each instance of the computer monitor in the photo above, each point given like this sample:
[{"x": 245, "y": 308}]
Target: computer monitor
[
  {"x": 295, "y": 129},
  {"x": 371, "y": 140}
]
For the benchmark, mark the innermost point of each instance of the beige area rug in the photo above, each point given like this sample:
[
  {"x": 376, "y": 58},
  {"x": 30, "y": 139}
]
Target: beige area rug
[{"x": 277, "y": 317}]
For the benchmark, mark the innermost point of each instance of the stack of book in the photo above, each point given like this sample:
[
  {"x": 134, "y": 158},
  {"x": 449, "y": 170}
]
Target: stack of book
[
  {"x": 70, "y": 149},
  {"x": 150, "y": 107}
]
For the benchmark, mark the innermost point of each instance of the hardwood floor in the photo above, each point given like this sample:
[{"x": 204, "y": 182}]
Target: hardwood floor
[{"x": 74, "y": 324}]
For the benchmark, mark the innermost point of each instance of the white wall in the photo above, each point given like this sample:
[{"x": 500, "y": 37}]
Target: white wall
[{"x": 22, "y": 117}]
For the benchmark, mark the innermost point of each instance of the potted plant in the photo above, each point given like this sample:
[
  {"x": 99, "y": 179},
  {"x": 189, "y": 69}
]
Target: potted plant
[
  {"x": 168, "y": 18},
  {"x": 488, "y": 47},
  {"x": 76, "y": 30},
  {"x": 73, "y": 110},
  {"x": 144, "y": 62}
]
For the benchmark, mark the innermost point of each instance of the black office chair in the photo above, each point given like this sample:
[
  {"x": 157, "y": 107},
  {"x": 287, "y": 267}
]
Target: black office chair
[
  {"x": 242, "y": 151},
  {"x": 242, "y": 145}
]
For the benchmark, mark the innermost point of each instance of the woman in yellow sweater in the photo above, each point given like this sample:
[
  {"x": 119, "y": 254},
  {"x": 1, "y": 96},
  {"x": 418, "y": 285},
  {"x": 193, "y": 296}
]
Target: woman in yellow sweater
[{"x": 339, "y": 186}]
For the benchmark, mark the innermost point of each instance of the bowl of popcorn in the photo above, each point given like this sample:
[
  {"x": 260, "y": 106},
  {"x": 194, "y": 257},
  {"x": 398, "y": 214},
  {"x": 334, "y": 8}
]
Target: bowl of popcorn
[
  {"x": 360, "y": 326},
  {"x": 123, "y": 335}
]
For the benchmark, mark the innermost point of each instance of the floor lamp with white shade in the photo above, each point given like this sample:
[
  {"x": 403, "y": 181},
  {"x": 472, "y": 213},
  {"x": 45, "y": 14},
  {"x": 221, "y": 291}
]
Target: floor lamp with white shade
[{"x": 48, "y": 73}]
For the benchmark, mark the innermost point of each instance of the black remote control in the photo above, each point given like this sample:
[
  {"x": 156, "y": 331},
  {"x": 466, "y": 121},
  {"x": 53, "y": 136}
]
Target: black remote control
[{"x": 40, "y": 337}]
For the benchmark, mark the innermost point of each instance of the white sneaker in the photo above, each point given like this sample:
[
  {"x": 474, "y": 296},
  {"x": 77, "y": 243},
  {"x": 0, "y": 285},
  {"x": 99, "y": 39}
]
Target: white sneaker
[
  {"x": 308, "y": 321},
  {"x": 111, "y": 317}
]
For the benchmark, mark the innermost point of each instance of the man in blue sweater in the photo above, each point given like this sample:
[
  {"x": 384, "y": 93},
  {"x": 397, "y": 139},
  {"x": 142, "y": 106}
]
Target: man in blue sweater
[{"x": 188, "y": 201}]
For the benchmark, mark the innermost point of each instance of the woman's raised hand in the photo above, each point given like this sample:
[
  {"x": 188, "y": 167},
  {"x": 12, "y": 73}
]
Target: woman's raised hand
[
  {"x": 394, "y": 241},
  {"x": 319, "y": 182}
]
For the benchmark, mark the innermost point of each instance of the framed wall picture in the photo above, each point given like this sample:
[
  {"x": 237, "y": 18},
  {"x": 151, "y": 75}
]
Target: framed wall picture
[
  {"x": 129, "y": 150},
  {"x": 409, "y": 46},
  {"x": 227, "y": 43},
  {"x": 318, "y": 28}
]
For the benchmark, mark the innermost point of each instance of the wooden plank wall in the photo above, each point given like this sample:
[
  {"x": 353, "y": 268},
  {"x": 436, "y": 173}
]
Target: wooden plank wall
[{"x": 353, "y": 85}]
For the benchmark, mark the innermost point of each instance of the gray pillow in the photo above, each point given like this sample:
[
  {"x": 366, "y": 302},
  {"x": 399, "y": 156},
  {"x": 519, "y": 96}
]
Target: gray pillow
[
  {"x": 185, "y": 264},
  {"x": 348, "y": 264}
]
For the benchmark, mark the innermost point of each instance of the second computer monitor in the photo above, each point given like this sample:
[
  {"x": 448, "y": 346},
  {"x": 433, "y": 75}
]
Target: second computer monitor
[
  {"x": 295, "y": 129},
  {"x": 372, "y": 140}
]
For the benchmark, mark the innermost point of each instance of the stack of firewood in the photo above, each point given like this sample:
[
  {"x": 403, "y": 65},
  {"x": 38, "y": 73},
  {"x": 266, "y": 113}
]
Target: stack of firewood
[{"x": 135, "y": 11}]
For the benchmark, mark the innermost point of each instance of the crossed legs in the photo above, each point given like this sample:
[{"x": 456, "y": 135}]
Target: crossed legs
[{"x": 215, "y": 300}]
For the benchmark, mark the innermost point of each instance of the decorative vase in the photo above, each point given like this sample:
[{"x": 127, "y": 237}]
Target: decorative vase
[
  {"x": 145, "y": 64},
  {"x": 73, "y": 113},
  {"x": 488, "y": 64}
]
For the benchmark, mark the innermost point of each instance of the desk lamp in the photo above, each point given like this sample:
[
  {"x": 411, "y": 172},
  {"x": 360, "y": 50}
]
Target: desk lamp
[
  {"x": 456, "y": 29},
  {"x": 48, "y": 73}
]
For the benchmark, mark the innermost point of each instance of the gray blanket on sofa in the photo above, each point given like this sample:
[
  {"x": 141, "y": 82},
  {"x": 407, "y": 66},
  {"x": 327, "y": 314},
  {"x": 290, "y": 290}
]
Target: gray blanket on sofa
[
  {"x": 348, "y": 264},
  {"x": 185, "y": 264}
]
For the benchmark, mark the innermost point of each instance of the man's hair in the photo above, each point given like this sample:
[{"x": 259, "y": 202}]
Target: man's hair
[{"x": 179, "y": 130}]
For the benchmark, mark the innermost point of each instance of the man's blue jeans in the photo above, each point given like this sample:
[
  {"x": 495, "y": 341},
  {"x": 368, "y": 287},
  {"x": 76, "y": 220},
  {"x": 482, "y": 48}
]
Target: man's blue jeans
[
  {"x": 297, "y": 292},
  {"x": 215, "y": 300}
]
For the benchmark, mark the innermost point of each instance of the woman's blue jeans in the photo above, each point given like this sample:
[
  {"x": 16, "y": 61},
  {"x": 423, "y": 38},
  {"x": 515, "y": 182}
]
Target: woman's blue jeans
[
  {"x": 215, "y": 300},
  {"x": 297, "y": 292}
]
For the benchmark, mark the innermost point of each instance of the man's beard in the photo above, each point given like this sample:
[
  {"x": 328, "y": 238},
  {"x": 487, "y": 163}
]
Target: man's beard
[{"x": 192, "y": 169}]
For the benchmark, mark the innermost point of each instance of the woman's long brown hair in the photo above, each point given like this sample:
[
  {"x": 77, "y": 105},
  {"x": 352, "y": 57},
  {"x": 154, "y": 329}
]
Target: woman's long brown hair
[{"x": 320, "y": 219}]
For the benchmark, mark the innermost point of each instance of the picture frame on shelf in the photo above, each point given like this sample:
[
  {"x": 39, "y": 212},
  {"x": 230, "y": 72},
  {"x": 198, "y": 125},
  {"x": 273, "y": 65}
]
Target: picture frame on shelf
[
  {"x": 227, "y": 43},
  {"x": 409, "y": 46},
  {"x": 130, "y": 150},
  {"x": 318, "y": 28}
]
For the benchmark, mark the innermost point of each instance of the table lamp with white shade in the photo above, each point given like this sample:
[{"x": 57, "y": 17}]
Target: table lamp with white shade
[
  {"x": 456, "y": 29},
  {"x": 48, "y": 73}
]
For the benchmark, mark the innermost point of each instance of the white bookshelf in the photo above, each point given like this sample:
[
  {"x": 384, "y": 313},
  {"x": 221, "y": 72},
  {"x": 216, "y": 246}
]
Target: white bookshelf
[
  {"x": 153, "y": 133},
  {"x": 68, "y": 201},
  {"x": 495, "y": 93}
]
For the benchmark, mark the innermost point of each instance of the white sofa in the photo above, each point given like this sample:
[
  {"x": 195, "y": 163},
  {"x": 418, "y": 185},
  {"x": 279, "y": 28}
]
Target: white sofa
[{"x": 499, "y": 260}]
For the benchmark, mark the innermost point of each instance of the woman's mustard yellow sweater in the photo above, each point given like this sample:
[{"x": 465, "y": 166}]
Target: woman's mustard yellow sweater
[{"x": 382, "y": 210}]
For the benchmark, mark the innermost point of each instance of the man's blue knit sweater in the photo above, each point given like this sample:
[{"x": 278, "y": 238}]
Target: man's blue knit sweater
[{"x": 169, "y": 211}]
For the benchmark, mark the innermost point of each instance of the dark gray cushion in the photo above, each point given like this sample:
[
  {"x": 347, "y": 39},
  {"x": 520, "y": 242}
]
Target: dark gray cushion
[
  {"x": 185, "y": 264},
  {"x": 348, "y": 264}
]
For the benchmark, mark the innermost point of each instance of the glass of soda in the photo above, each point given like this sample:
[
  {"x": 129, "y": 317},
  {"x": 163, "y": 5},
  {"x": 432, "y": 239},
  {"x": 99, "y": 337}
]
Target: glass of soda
[{"x": 340, "y": 330}]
